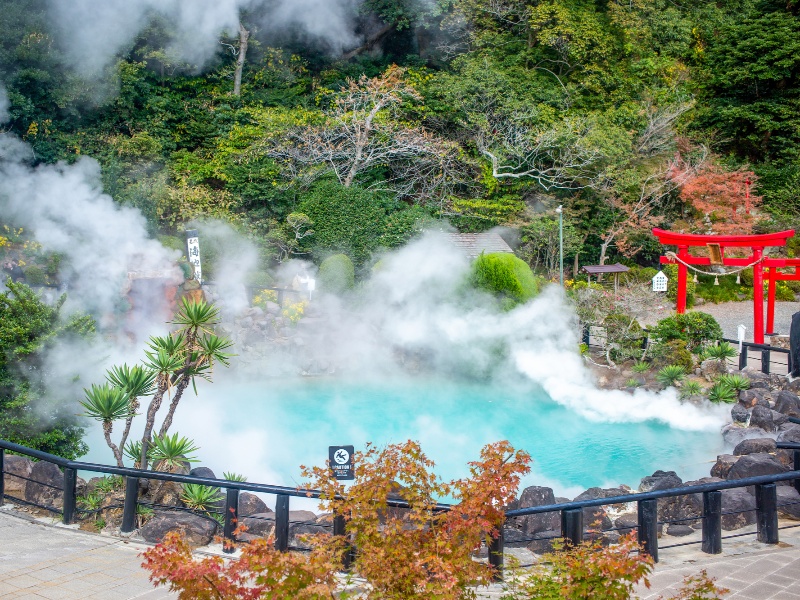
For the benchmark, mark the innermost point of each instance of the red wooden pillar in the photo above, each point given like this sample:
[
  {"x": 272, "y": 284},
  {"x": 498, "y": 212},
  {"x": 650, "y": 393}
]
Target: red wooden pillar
[
  {"x": 758, "y": 297},
  {"x": 771, "y": 273},
  {"x": 683, "y": 252}
]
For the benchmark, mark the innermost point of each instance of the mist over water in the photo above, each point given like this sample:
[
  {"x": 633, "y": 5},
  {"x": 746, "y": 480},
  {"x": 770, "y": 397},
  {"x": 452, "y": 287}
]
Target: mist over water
[{"x": 416, "y": 353}]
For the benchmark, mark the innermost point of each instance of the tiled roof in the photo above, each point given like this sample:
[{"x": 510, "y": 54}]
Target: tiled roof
[{"x": 472, "y": 244}]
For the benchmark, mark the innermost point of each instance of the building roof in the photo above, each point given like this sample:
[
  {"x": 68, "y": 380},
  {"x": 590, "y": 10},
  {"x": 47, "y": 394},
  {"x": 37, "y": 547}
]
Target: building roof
[
  {"x": 472, "y": 244},
  {"x": 598, "y": 269}
]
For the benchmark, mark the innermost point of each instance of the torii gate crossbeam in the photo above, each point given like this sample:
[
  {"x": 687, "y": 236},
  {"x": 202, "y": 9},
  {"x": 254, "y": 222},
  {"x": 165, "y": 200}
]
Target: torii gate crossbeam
[{"x": 757, "y": 244}]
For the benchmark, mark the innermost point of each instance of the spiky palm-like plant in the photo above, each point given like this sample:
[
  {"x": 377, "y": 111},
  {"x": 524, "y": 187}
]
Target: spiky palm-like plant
[
  {"x": 231, "y": 476},
  {"x": 171, "y": 451},
  {"x": 138, "y": 382},
  {"x": 106, "y": 403},
  {"x": 670, "y": 375},
  {"x": 721, "y": 392},
  {"x": 691, "y": 388},
  {"x": 735, "y": 381},
  {"x": 641, "y": 367},
  {"x": 721, "y": 351},
  {"x": 200, "y": 497}
]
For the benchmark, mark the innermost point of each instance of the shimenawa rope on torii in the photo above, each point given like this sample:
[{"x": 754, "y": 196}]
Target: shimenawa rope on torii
[{"x": 672, "y": 256}]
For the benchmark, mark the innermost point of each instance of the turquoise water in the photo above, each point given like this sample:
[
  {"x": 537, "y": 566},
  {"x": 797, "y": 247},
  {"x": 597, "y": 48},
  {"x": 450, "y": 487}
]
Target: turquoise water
[{"x": 266, "y": 430}]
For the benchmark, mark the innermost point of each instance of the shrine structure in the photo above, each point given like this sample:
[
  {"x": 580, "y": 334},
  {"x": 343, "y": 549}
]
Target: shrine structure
[{"x": 764, "y": 267}]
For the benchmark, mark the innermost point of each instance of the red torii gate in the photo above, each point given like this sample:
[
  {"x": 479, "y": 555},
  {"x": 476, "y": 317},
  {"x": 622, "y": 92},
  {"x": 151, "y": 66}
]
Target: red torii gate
[{"x": 717, "y": 245}]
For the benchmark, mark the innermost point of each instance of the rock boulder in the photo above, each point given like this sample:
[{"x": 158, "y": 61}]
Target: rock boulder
[
  {"x": 741, "y": 508},
  {"x": 49, "y": 490},
  {"x": 198, "y": 531},
  {"x": 753, "y": 465},
  {"x": 250, "y": 504},
  {"x": 723, "y": 465},
  {"x": 16, "y": 465},
  {"x": 532, "y": 524},
  {"x": 754, "y": 446}
]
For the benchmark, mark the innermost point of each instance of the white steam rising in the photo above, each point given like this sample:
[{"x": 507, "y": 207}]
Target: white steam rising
[
  {"x": 65, "y": 210},
  {"x": 4, "y": 104},
  {"x": 94, "y": 33}
]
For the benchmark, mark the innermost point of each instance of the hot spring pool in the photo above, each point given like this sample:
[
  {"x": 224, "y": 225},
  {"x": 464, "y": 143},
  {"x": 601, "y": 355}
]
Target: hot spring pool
[{"x": 266, "y": 430}]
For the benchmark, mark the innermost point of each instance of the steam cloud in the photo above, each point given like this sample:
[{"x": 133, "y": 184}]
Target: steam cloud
[{"x": 93, "y": 33}]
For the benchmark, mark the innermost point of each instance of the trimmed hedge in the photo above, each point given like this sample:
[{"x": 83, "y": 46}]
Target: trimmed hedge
[
  {"x": 506, "y": 275},
  {"x": 336, "y": 274}
]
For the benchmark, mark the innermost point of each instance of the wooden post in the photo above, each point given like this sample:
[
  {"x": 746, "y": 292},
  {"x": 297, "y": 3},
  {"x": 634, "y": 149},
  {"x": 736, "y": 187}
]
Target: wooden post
[
  {"x": 758, "y": 297},
  {"x": 712, "y": 522},
  {"x": 683, "y": 252},
  {"x": 767, "y": 513},
  {"x": 648, "y": 527}
]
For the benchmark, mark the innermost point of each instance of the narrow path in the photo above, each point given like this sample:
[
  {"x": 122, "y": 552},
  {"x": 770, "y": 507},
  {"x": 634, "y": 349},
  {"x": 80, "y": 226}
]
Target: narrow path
[{"x": 41, "y": 561}]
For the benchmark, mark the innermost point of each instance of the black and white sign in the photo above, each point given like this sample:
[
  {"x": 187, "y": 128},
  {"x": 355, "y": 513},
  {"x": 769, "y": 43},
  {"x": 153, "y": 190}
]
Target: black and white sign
[
  {"x": 193, "y": 253},
  {"x": 341, "y": 461}
]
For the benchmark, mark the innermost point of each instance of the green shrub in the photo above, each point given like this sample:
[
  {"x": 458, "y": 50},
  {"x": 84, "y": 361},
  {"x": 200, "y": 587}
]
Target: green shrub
[
  {"x": 671, "y": 271},
  {"x": 403, "y": 225},
  {"x": 35, "y": 275},
  {"x": 505, "y": 275},
  {"x": 673, "y": 352},
  {"x": 670, "y": 375},
  {"x": 697, "y": 329},
  {"x": 641, "y": 367},
  {"x": 691, "y": 388},
  {"x": 336, "y": 274},
  {"x": 638, "y": 275},
  {"x": 632, "y": 382},
  {"x": 625, "y": 334},
  {"x": 726, "y": 291},
  {"x": 721, "y": 392},
  {"x": 735, "y": 382},
  {"x": 173, "y": 242},
  {"x": 346, "y": 220},
  {"x": 721, "y": 351}
]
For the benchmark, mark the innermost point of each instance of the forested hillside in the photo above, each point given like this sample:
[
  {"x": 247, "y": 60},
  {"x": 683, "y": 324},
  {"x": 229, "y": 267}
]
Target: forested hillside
[{"x": 682, "y": 114}]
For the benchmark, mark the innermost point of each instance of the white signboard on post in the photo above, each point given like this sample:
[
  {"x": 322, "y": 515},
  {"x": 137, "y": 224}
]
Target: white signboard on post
[
  {"x": 741, "y": 332},
  {"x": 660, "y": 282},
  {"x": 193, "y": 253}
]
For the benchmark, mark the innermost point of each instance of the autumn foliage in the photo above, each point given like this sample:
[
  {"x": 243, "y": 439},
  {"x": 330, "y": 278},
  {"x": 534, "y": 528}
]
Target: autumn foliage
[
  {"x": 419, "y": 551},
  {"x": 717, "y": 197}
]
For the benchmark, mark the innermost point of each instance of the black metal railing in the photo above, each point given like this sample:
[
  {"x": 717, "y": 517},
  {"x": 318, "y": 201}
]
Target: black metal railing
[{"x": 573, "y": 529}]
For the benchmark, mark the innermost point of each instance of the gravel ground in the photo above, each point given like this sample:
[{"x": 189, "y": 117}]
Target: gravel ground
[{"x": 730, "y": 315}]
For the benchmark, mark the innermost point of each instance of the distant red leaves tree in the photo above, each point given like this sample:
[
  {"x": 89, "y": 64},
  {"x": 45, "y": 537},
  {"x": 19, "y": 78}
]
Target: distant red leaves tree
[{"x": 717, "y": 197}]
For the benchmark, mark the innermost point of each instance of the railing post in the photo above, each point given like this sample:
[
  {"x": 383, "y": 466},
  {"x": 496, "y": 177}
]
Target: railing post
[
  {"x": 712, "y": 522},
  {"x": 797, "y": 468},
  {"x": 129, "y": 508},
  {"x": 572, "y": 525},
  {"x": 585, "y": 335},
  {"x": 282, "y": 523},
  {"x": 231, "y": 520},
  {"x": 743, "y": 356},
  {"x": 767, "y": 513},
  {"x": 648, "y": 527},
  {"x": 340, "y": 528},
  {"x": 281, "y": 293},
  {"x": 70, "y": 481},
  {"x": 3, "y": 474},
  {"x": 496, "y": 549},
  {"x": 765, "y": 362}
]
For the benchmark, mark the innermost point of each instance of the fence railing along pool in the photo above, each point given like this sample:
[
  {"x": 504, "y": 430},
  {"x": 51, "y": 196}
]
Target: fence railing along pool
[{"x": 573, "y": 528}]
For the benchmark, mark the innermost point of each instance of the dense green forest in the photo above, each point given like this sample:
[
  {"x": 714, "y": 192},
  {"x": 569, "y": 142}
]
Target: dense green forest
[{"x": 632, "y": 114}]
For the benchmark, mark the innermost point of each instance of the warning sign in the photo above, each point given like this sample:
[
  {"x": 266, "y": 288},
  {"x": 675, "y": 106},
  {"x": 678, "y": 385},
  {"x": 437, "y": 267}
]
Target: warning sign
[{"x": 341, "y": 461}]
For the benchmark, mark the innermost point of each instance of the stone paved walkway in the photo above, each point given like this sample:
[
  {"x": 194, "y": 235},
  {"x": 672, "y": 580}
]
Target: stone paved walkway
[
  {"x": 41, "y": 561},
  {"x": 59, "y": 563}
]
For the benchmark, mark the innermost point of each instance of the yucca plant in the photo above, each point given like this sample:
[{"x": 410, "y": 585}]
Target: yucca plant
[
  {"x": 670, "y": 375},
  {"x": 90, "y": 502},
  {"x": 721, "y": 351},
  {"x": 632, "y": 382},
  {"x": 108, "y": 484},
  {"x": 735, "y": 381},
  {"x": 200, "y": 497},
  {"x": 106, "y": 403},
  {"x": 230, "y": 476},
  {"x": 721, "y": 392},
  {"x": 138, "y": 382},
  {"x": 691, "y": 388},
  {"x": 171, "y": 451},
  {"x": 641, "y": 367}
]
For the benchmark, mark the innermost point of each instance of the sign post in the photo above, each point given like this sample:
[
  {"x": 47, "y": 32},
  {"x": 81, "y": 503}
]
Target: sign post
[
  {"x": 660, "y": 282},
  {"x": 341, "y": 462},
  {"x": 193, "y": 253},
  {"x": 741, "y": 331}
]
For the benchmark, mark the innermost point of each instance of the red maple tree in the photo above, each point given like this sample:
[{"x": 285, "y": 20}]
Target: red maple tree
[{"x": 720, "y": 200}]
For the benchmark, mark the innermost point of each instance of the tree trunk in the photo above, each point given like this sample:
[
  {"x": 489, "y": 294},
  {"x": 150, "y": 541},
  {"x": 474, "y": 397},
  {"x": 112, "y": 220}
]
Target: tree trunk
[
  {"x": 184, "y": 383},
  {"x": 244, "y": 35},
  {"x": 107, "y": 425},
  {"x": 155, "y": 404}
]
